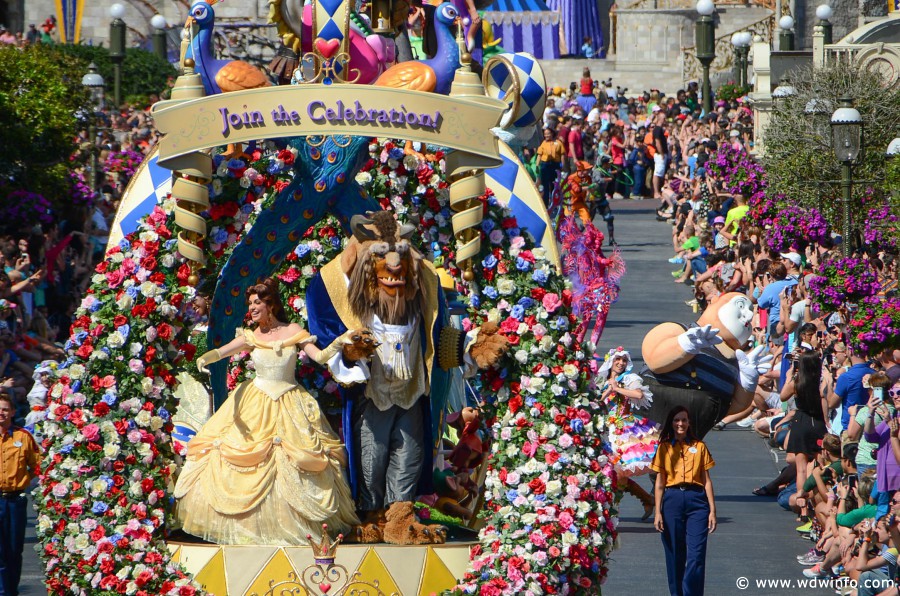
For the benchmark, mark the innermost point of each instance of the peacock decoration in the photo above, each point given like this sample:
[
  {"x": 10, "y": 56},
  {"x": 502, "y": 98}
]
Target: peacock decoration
[
  {"x": 436, "y": 73},
  {"x": 219, "y": 76}
]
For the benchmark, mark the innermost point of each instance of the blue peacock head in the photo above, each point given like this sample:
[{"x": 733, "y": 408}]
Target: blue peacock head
[
  {"x": 202, "y": 13},
  {"x": 446, "y": 14}
]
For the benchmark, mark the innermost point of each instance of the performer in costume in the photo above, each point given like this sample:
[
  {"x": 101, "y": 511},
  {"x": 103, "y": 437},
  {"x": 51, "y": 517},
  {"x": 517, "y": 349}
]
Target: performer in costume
[
  {"x": 633, "y": 437},
  {"x": 702, "y": 367},
  {"x": 266, "y": 468},
  {"x": 393, "y": 411}
]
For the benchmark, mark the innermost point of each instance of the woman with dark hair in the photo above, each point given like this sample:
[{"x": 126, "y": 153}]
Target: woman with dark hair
[
  {"x": 685, "y": 503},
  {"x": 267, "y": 468},
  {"x": 804, "y": 384}
]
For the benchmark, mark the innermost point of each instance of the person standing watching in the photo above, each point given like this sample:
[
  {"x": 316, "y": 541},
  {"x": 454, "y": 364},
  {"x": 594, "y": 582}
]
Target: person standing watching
[
  {"x": 685, "y": 503},
  {"x": 551, "y": 153},
  {"x": 19, "y": 458}
]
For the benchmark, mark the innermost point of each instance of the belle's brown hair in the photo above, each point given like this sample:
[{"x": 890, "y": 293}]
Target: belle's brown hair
[{"x": 268, "y": 293}]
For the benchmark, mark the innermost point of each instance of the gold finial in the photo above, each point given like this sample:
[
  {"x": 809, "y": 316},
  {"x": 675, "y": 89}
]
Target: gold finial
[
  {"x": 326, "y": 550},
  {"x": 189, "y": 63}
]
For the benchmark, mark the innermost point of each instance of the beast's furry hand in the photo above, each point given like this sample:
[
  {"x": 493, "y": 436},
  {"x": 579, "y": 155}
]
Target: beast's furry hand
[
  {"x": 361, "y": 346},
  {"x": 489, "y": 347}
]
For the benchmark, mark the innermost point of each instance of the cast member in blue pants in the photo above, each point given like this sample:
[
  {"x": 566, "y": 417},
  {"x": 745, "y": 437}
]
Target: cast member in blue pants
[{"x": 685, "y": 504}]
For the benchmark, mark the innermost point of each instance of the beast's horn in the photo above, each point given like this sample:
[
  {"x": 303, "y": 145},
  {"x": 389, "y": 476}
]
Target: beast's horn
[
  {"x": 406, "y": 231},
  {"x": 358, "y": 224}
]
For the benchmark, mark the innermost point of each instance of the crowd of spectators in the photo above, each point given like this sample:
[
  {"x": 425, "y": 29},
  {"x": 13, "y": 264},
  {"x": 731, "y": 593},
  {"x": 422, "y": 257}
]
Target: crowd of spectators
[
  {"x": 827, "y": 410},
  {"x": 48, "y": 268}
]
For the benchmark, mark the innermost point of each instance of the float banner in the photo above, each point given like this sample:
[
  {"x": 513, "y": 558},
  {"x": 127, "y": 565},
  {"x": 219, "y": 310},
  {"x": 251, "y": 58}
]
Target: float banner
[
  {"x": 68, "y": 16},
  {"x": 461, "y": 123}
]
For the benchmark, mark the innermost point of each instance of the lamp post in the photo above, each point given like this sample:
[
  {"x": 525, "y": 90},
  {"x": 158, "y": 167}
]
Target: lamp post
[
  {"x": 117, "y": 49},
  {"x": 817, "y": 112},
  {"x": 158, "y": 22},
  {"x": 823, "y": 13},
  {"x": 783, "y": 91},
  {"x": 94, "y": 84},
  {"x": 706, "y": 47},
  {"x": 846, "y": 129},
  {"x": 741, "y": 42},
  {"x": 786, "y": 36}
]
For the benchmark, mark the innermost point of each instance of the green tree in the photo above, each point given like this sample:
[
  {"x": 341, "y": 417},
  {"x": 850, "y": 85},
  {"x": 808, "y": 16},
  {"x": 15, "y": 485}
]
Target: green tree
[
  {"x": 799, "y": 158},
  {"x": 40, "y": 95},
  {"x": 143, "y": 72}
]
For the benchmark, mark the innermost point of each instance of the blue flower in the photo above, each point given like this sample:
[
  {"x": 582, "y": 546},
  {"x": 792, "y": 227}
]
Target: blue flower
[
  {"x": 76, "y": 386},
  {"x": 513, "y": 232},
  {"x": 577, "y": 425},
  {"x": 336, "y": 242},
  {"x": 522, "y": 264},
  {"x": 99, "y": 508},
  {"x": 236, "y": 164},
  {"x": 163, "y": 413},
  {"x": 247, "y": 208},
  {"x": 489, "y": 262},
  {"x": 109, "y": 399},
  {"x": 492, "y": 201},
  {"x": 97, "y": 305},
  {"x": 80, "y": 337},
  {"x": 539, "y": 276},
  {"x": 125, "y": 330},
  {"x": 489, "y": 291},
  {"x": 133, "y": 291},
  {"x": 170, "y": 243},
  {"x": 115, "y": 538},
  {"x": 220, "y": 236},
  {"x": 518, "y": 312},
  {"x": 396, "y": 153},
  {"x": 540, "y": 498},
  {"x": 475, "y": 301},
  {"x": 512, "y": 495},
  {"x": 416, "y": 200},
  {"x": 66, "y": 449},
  {"x": 274, "y": 168},
  {"x": 526, "y": 302},
  {"x": 302, "y": 250},
  {"x": 560, "y": 324},
  {"x": 487, "y": 225},
  {"x": 125, "y": 245}
]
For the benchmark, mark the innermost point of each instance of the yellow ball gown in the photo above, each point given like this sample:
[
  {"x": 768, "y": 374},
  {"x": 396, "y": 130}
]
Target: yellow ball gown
[{"x": 266, "y": 468}]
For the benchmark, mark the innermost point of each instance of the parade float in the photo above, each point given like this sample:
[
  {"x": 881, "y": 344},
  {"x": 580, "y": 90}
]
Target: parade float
[{"x": 252, "y": 180}]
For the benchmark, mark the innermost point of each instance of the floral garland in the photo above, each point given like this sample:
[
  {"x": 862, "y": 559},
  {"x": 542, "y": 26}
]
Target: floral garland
[
  {"x": 550, "y": 517},
  {"x": 24, "y": 209},
  {"x": 795, "y": 228},
  {"x": 875, "y": 327},
  {"x": 843, "y": 280},
  {"x": 108, "y": 450},
  {"x": 125, "y": 163}
]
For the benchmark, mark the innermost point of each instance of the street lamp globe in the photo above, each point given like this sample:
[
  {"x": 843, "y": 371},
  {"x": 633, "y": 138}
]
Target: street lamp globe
[
  {"x": 158, "y": 22},
  {"x": 846, "y": 129},
  {"x": 94, "y": 83},
  {"x": 706, "y": 7},
  {"x": 786, "y": 22},
  {"x": 784, "y": 90},
  {"x": 824, "y": 12},
  {"x": 746, "y": 38},
  {"x": 893, "y": 149},
  {"x": 117, "y": 11}
]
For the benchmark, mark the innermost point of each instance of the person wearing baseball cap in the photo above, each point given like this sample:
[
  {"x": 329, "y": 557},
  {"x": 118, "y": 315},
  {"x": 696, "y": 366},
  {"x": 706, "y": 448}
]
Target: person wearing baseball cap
[{"x": 793, "y": 263}]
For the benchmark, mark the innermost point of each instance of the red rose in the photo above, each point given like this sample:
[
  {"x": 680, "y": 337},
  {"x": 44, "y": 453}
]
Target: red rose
[
  {"x": 537, "y": 486},
  {"x": 515, "y": 404},
  {"x": 164, "y": 330},
  {"x": 149, "y": 263}
]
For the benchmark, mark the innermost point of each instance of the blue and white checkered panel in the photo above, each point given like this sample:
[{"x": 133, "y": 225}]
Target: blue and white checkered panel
[
  {"x": 149, "y": 186},
  {"x": 514, "y": 188},
  {"x": 527, "y": 72}
]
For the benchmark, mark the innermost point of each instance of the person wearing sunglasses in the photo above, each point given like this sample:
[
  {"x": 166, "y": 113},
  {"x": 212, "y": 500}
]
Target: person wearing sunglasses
[{"x": 887, "y": 466}]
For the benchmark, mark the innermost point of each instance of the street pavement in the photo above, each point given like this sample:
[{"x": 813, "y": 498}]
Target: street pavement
[{"x": 756, "y": 539}]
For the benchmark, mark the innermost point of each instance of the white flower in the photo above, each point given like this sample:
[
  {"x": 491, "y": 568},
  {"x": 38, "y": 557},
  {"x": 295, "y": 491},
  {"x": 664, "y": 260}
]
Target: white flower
[
  {"x": 150, "y": 290},
  {"x": 125, "y": 302},
  {"x": 547, "y": 343},
  {"x": 363, "y": 178},
  {"x": 76, "y": 371},
  {"x": 554, "y": 487},
  {"x": 521, "y": 356},
  {"x": 570, "y": 370},
  {"x": 143, "y": 418},
  {"x": 110, "y": 450},
  {"x": 506, "y": 286},
  {"x": 115, "y": 340}
]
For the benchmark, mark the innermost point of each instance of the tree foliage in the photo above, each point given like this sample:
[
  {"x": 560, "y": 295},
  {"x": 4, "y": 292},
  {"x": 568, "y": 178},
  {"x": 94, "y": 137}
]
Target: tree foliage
[
  {"x": 799, "y": 158},
  {"x": 40, "y": 95},
  {"x": 143, "y": 72}
]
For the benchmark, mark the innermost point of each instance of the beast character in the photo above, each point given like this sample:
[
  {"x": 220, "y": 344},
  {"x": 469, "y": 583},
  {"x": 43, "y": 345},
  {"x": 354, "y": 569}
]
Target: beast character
[
  {"x": 702, "y": 367},
  {"x": 393, "y": 407}
]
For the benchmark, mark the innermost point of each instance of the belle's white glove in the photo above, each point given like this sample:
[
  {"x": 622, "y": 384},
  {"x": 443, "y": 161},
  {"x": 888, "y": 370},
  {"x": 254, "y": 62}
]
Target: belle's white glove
[
  {"x": 695, "y": 339},
  {"x": 336, "y": 346},
  {"x": 206, "y": 359},
  {"x": 752, "y": 365}
]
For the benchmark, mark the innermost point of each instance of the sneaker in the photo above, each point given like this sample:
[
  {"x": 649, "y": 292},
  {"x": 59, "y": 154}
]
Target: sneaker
[
  {"x": 677, "y": 274},
  {"x": 811, "y": 551},
  {"x": 805, "y": 528},
  {"x": 746, "y": 422},
  {"x": 814, "y": 572},
  {"x": 720, "y": 426},
  {"x": 811, "y": 558},
  {"x": 676, "y": 261}
]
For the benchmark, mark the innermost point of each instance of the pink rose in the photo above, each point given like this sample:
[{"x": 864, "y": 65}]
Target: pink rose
[
  {"x": 551, "y": 302},
  {"x": 91, "y": 432},
  {"x": 529, "y": 449},
  {"x": 566, "y": 520},
  {"x": 115, "y": 278}
]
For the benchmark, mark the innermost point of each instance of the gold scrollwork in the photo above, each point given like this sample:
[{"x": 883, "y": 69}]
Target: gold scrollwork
[{"x": 334, "y": 69}]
